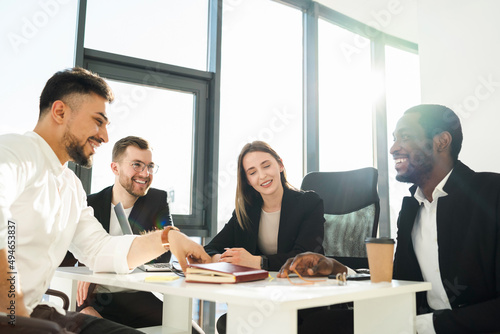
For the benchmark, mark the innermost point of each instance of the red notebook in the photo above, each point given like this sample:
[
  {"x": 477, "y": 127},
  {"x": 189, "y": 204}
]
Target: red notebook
[{"x": 222, "y": 272}]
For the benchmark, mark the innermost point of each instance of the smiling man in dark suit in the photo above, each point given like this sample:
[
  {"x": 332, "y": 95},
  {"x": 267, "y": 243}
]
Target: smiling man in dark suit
[
  {"x": 147, "y": 209},
  {"x": 448, "y": 230}
]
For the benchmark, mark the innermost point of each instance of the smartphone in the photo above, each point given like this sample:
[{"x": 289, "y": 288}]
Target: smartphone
[{"x": 358, "y": 277}]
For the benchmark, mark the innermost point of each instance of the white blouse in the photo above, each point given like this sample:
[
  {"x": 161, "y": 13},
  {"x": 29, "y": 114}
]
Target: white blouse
[{"x": 268, "y": 232}]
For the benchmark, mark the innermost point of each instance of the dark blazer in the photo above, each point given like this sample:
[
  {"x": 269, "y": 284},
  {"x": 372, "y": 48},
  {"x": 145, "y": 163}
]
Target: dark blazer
[
  {"x": 149, "y": 212},
  {"x": 468, "y": 229},
  {"x": 301, "y": 229}
]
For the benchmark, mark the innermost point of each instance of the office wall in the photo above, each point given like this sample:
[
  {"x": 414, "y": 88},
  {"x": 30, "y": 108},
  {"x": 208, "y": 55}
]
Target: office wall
[{"x": 460, "y": 67}]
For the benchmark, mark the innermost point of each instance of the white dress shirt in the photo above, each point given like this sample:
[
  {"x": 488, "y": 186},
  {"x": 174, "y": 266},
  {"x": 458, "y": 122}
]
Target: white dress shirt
[
  {"x": 46, "y": 204},
  {"x": 425, "y": 244}
]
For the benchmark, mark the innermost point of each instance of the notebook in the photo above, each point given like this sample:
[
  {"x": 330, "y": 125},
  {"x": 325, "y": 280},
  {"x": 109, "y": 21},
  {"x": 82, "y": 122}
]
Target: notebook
[
  {"x": 222, "y": 272},
  {"x": 126, "y": 229}
]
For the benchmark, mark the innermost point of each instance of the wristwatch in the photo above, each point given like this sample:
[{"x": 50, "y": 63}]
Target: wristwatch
[
  {"x": 164, "y": 236},
  {"x": 264, "y": 262}
]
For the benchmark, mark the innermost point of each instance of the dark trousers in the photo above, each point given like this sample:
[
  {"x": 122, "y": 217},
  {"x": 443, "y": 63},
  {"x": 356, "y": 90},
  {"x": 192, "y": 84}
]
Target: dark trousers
[
  {"x": 133, "y": 309},
  {"x": 79, "y": 323},
  {"x": 326, "y": 321}
]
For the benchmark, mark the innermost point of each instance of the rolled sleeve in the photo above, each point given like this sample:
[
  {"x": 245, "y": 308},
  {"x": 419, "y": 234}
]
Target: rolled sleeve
[
  {"x": 95, "y": 248},
  {"x": 113, "y": 255}
]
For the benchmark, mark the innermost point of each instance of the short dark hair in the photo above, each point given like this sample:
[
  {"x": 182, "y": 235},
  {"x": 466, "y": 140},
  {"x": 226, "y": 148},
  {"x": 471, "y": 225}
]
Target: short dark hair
[
  {"x": 435, "y": 119},
  {"x": 122, "y": 144},
  {"x": 75, "y": 80}
]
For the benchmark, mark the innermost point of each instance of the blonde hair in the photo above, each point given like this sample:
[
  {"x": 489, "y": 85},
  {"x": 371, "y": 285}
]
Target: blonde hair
[{"x": 246, "y": 195}]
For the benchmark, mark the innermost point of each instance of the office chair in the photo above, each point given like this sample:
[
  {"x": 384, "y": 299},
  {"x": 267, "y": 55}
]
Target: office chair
[
  {"x": 351, "y": 212},
  {"x": 33, "y": 325}
]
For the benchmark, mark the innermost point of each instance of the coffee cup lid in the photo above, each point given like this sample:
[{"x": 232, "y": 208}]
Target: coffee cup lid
[{"x": 382, "y": 240}]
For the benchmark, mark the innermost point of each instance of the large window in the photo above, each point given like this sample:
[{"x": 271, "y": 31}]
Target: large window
[
  {"x": 155, "y": 56},
  {"x": 345, "y": 99},
  {"x": 261, "y": 89},
  {"x": 164, "y": 118},
  {"x": 403, "y": 92},
  {"x": 171, "y": 32},
  {"x": 37, "y": 41}
]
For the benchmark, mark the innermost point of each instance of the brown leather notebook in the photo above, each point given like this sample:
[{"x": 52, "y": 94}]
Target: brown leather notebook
[{"x": 222, "y": 272}]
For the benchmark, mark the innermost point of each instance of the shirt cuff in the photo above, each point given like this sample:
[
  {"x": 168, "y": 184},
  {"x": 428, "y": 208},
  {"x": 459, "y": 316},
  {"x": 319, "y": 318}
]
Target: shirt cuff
[
  {"x": 350, "y": 271},
  {"x": 425, "y": 324},
  {"x": 113, "y": 256}
]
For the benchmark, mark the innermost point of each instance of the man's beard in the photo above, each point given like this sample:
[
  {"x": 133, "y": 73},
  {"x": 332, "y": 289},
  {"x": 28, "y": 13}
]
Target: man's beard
[
  {"x": 76, "y": 151},
  {"x": 128, "y": 185},
  {"x": 419, "y": 171}
]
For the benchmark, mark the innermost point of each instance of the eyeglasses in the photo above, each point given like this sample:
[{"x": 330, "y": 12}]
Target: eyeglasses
[{"x": 139, "y": 166}]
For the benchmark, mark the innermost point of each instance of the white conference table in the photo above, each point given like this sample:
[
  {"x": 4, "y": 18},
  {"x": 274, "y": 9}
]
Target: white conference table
[{"x": 270, "y": 306}]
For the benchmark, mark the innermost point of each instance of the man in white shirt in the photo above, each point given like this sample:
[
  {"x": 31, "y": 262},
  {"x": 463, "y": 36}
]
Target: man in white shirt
[
  {"x": 43, "y": 210},
  {"x": 448, "y": 230}
]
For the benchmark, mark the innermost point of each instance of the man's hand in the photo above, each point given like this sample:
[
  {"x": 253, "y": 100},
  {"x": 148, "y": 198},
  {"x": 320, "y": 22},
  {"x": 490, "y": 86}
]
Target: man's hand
[
  {"x": 240, "y": 256},
  {"x": 82, "y": 292},
  {"x": 186, "y": 250},
  {"x": 311, "y": 264}
]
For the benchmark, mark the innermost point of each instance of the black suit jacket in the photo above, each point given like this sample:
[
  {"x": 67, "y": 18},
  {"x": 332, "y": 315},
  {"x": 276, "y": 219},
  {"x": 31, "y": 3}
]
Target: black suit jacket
[
  {"x": 468, "y": 229},
  {"x": 149, "y": 212},
  {"x": 301, "y": 229}
]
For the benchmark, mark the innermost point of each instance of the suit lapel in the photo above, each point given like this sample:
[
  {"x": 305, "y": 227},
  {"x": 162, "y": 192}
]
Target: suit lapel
[
  {"x": 105, "y": 210},
  {"x": 283, "y": 232},
  {"x": 406, "y": 264},
  {"x": 449, "y": 214},
  {"x": 137, "y": 215}
]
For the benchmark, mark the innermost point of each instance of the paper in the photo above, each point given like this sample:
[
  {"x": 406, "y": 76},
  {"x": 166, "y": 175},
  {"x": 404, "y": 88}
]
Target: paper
[{"x": 160, "y": 278}]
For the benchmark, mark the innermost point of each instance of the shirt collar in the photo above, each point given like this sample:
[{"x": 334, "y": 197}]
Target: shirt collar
[
  {"x": 53, "y": 160},
  {"x": 438, "y": 191}
]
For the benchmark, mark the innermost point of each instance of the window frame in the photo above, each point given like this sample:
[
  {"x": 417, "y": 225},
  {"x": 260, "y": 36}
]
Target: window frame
[
  {"x": 204, "y": 85},
  {"x": 378, "y": 39}
]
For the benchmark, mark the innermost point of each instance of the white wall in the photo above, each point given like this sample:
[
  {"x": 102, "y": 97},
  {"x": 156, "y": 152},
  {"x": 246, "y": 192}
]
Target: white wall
[{"x": 459, "y": 46}]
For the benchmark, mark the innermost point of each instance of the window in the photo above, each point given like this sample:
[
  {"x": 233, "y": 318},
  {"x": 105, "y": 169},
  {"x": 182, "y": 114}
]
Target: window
[
  {"x": 403, "y": 92},
  {"x": 171, "y": 32},
  {"x": 30, "y": 31},
  {"x": 155, "y": 55},
  {"x": 261, "y": 89},
  {"x": 165, "y": 119},
  {"x": 345, "y": 100}
]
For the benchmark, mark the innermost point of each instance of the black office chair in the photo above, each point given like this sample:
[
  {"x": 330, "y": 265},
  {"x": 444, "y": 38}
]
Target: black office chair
[
  {"x": 33, "y": 325},
  {"x": 351, "y": 212}
]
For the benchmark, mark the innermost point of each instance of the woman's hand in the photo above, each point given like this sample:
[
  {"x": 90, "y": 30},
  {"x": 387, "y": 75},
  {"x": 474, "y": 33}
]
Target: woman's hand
[{"x": 240, "y": 256}]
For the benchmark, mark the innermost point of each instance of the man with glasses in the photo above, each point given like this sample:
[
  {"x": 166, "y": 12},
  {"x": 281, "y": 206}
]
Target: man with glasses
[{"x": 147, "y": 209}]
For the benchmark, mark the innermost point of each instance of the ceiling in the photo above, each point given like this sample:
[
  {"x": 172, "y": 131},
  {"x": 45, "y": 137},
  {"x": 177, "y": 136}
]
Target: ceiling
[{"x": 394, "y": 17}]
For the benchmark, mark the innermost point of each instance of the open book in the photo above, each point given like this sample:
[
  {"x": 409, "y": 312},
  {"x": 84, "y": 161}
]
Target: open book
[{"x": 222, "y": 272}]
